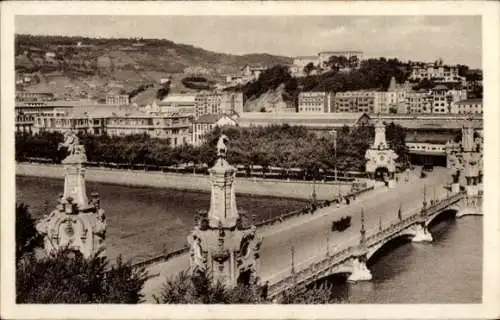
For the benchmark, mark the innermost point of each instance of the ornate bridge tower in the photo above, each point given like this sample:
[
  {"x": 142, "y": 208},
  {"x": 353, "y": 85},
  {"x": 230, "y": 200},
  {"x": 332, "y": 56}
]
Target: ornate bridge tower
[
  {"x": 380, "y": 158},
  {"x": 76, "y": 223},
  {"x": 220, "y": 242}
]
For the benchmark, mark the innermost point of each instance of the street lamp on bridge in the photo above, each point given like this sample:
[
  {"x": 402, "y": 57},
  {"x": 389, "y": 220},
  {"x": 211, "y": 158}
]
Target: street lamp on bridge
[{"x": 334, "y": 133}]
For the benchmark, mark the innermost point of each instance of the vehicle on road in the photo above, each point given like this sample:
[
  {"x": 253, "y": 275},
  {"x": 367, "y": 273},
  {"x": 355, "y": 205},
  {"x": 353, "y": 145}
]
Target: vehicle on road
[{"x": 341, "y": 224}]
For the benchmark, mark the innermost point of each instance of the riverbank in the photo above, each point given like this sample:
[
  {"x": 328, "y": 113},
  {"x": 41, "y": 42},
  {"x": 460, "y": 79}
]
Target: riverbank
[{"x": 191, "y": 182}]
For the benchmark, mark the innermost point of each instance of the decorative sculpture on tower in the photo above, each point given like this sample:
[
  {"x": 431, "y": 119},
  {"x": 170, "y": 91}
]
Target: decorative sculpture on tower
[
  {"x": 76, "y": 223},
  {"x": 465, "y": 159},
  {"x": 220, "y": 242},
  {"x": 380, "y": 158}
]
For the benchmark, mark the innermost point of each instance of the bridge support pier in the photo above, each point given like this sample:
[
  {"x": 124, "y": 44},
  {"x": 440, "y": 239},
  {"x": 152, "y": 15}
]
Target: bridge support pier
[
  {"x": 360, "y": 271},
  {"x": 422, "y": 234}
]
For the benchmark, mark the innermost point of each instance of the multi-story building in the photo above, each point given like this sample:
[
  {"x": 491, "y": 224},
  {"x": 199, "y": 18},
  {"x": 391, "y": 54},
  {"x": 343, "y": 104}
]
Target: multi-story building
[
  {"x": 178, "y": 103},
  {"x": 118, "y": 121},
  {"x": 436, "y": 72},
  {"x": 355, "y": 101},
  {"x": 206, "y": 123},
  {"x": 218, "y": 103},
  {"x": 419, "y": 102},
  {"x": 118, "y": 99},
  {"x": 34, "y": 96},
  {"x": 443, "y": 99},
  {"x": 469, "y": 106},
  {"x": 317, "y": 102}
]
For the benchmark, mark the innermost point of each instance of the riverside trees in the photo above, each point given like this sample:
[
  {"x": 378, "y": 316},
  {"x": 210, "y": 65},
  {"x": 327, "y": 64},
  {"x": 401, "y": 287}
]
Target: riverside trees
[{"x": 281, "y": 146}]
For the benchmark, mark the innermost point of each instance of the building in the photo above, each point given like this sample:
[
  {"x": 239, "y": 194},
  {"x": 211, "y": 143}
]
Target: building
[
  {"x": 436, "y": 72},
  {"x": 418, "y": 102},
  {"x": 316, "y": 102},
  {"x": 34, "y": 96},
  {"x": 218, "y": 103},
  {"x": 178, "y": 103},
  {"x": 443, "y": 99},
  {"x": 117, "y": 120},
  {"x": 469, "y": 106},
  {"x": 206, "y": 123},
  {"x": 356, "y": 101},
  {"x": 118, "y": 99}
]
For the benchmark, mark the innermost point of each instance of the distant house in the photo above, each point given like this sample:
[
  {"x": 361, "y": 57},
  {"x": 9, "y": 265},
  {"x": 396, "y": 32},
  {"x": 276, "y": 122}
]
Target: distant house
[{"x": 50, "y": 55}]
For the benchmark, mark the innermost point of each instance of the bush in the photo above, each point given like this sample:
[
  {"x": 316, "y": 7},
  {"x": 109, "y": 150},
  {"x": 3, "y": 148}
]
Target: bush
[
  {"x": 27, "y": 238},
  {"x": 67, "y": 277}
]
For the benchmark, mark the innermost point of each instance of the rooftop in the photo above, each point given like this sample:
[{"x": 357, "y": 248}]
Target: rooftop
[
  {"x": 211, "y": 118},
  {"x": 184, "y": 98}
]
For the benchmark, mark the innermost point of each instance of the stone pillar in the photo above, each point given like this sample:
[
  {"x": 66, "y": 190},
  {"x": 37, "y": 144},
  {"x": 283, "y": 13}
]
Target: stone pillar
[
  {"x": 360, "y": 271},
  {"x": 421, "y": 234},
  {"x": 75, "y": 223},
  {"x": 221, "y": 244}
]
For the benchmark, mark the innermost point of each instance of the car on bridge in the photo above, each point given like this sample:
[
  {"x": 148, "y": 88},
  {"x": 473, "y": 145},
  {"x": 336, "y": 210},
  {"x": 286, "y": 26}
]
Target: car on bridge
[{"x": 341, "y": 224}]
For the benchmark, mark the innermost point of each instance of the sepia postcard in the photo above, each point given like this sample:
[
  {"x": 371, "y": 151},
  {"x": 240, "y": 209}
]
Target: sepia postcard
[{"x": 250, "y": 160}]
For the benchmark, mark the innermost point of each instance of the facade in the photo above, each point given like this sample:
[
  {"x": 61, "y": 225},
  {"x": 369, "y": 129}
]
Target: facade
[
  {"x": 418, "y": 102},
  {"x": 178, "y": 103},
  {"x": 207, "y": 123},
  {"x": 469, "y": 106},
  {"x": 118, "y": 121},
  {"x": 33, "y": 96},
  {"x": 118, "y": 99},
  {"x": 443, "y": 99},
  {"x": 356, "y": 101},
  {"x": 436, "y": 72},
  {"x": 218, "y": 103},
  {"x": 316, "y": 102}
]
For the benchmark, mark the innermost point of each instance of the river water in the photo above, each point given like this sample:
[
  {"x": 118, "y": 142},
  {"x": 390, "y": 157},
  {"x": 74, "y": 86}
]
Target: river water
[{"x": 146, "y": 221}]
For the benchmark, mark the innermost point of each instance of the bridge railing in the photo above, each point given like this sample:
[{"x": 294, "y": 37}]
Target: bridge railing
[{"x": 309, "y": 271}]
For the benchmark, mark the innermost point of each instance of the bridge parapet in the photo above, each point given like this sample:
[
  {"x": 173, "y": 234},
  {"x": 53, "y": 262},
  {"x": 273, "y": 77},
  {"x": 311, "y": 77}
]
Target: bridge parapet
[{"x": 323, "y": 268}]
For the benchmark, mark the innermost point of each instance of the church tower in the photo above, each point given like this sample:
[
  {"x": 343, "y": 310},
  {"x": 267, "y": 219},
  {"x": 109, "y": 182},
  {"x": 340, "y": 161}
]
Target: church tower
[{"x": 221, "y": 242}]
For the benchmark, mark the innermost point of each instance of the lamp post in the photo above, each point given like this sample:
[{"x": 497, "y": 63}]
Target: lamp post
[
  {"x": 293, "y": 262},
  {"x": 334, "y": 132}
]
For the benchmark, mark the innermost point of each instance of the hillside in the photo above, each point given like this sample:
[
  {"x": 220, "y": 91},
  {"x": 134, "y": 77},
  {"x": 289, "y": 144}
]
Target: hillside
[{"x": 122, "y": 64}]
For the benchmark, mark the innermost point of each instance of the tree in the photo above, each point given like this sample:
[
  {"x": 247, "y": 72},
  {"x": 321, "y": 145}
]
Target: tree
[
  {"x": 308, "y": 68},
  {"x": 27, "y": 238},
  {"x": 393, "y": 110},
  {"x": 67, "y": 277}
]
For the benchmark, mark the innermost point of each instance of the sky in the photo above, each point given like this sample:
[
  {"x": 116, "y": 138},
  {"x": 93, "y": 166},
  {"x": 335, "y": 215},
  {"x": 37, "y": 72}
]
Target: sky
[{"x": 455, "y": 39}]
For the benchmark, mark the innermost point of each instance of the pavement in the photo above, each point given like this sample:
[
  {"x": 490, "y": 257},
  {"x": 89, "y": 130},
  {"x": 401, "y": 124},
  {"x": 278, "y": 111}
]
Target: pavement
[{"x": 311, "y": 235}]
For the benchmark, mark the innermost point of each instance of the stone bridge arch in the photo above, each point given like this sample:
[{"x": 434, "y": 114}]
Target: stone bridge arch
[
  {"x": 453, "y": 210},
  {"x": 406, "y": 234}
]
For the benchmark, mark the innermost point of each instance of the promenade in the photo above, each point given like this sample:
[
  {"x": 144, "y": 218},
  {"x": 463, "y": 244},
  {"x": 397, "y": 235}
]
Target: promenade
[
  {"x": 258, "y": 187},
  {"x": 309, "y": 235}
]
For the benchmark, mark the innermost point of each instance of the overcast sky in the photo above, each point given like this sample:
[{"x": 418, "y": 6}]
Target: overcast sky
[{"x": 456, "y": 39}]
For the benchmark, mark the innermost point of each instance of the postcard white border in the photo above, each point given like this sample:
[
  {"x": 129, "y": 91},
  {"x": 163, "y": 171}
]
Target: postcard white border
[{"x": 491, "y": 271}]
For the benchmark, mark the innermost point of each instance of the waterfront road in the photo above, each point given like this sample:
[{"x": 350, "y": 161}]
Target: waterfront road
[{"x": 309, "y": 235}]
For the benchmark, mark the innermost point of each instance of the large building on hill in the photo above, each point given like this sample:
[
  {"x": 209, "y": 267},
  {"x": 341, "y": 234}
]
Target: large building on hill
[
  {"x": 218, "y": 103},
  {"x": 320, "y": 60},
  {"x": 436, "y": 72}
]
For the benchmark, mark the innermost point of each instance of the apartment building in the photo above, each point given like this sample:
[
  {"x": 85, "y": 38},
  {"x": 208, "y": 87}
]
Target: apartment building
[
  {"x": 218, "y": 103},
  {"x": 355, "y": 101},
  {"x": 443, "y": 99},
  {"x": 418, "y": 102},
  {"x": 33, "y": 96},
  {"x": 118, "y": 99},
  {"x": 469, "y": 106},
  {"x": 316, "y": 102},
  {"x": 436, "y": 72},
  {"x": 206, "y": 123}
]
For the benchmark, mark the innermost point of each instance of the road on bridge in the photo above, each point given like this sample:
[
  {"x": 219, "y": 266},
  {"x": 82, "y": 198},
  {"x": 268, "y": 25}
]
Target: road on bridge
[{"x": 309, "y": 237}]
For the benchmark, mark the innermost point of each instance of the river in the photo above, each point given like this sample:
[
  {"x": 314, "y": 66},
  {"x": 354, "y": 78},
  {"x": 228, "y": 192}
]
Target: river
[{"x": 143, "y": 222}]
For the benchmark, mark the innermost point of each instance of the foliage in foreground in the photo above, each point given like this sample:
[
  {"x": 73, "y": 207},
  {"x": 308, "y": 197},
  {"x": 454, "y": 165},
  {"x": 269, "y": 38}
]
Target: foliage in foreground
[
  {"x": 199, "y": 288},
  {"x": 67, "y": 277}
]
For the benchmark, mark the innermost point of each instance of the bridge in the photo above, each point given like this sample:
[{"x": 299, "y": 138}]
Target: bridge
[{"x": 303, "y": 249}]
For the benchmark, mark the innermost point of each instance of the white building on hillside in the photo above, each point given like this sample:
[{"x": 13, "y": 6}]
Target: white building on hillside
[{"x": 206, "y": 123}]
